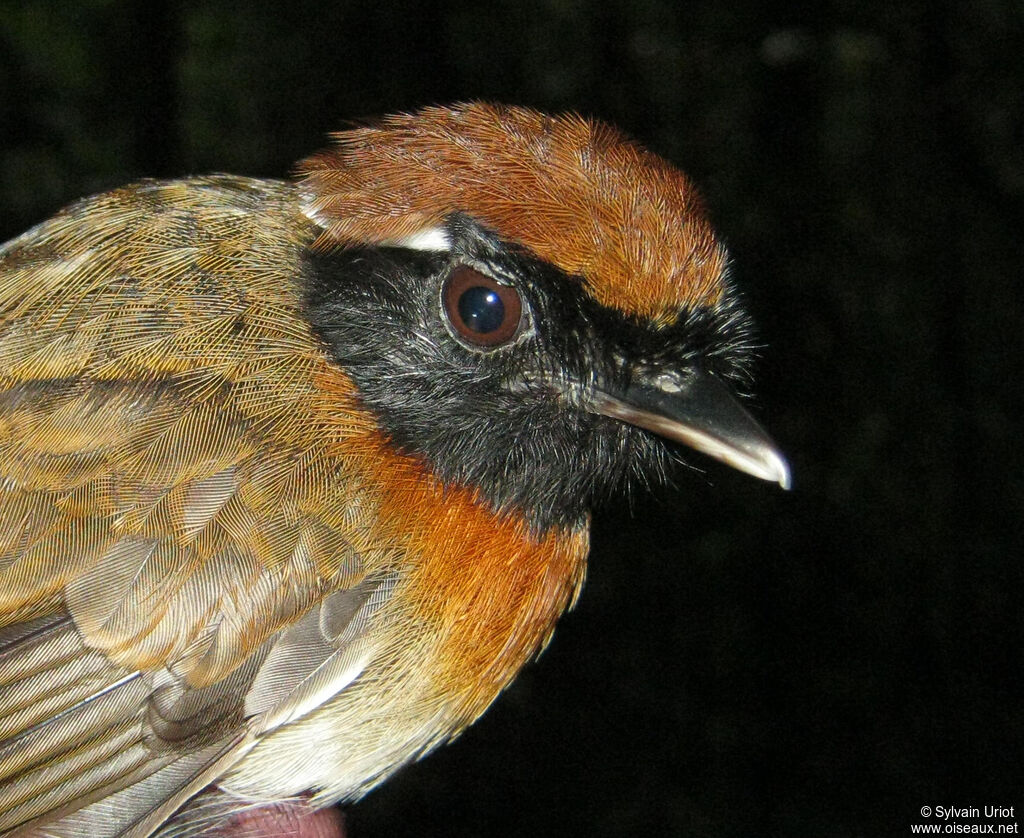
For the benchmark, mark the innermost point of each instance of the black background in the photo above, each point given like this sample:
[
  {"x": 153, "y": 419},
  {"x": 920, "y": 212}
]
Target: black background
[{"x": 743, "y": 661}]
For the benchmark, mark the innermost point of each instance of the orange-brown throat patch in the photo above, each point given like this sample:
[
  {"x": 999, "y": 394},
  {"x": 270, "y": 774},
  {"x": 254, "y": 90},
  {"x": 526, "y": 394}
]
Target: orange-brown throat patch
[
  {"x": 495, "y": 586},
  {"x": 577, "y": 193}
]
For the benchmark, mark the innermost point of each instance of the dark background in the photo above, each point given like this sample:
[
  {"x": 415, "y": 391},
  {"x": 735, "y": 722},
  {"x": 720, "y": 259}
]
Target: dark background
[{"x": 743, "y": 662}]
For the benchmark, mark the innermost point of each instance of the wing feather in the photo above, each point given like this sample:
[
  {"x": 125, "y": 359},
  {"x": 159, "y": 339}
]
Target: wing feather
[{"x": 182, "y": 561}]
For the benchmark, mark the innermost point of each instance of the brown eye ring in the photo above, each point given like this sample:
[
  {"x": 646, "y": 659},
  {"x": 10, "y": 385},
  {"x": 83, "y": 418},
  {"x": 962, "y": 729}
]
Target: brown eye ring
[{"x": 482, "y": 312}]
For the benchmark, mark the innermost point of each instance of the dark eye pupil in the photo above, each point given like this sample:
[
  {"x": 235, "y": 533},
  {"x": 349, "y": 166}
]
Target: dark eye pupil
[
  {"x": 482, "y": 312},
  {"x": 481, "y": 309}
]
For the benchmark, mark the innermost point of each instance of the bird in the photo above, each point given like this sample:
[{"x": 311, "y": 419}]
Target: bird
[{"x": 296, "y": 475}]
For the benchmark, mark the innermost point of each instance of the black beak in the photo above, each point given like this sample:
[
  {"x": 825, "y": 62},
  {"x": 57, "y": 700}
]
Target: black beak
[{"x": 697, "y": 410}]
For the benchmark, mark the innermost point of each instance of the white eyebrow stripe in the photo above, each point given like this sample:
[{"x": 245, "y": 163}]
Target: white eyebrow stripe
[
  {"x": 308, "y": 208},
  {"x": 429, "y": 238}
]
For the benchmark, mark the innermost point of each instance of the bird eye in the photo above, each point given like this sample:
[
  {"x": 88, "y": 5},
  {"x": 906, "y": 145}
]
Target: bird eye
[{"x": 482, "y": 312}]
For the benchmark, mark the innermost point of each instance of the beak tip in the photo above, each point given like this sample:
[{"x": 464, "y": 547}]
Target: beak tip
[
  {"x": 779, "y": 471},
  {"x": 763, "y": 461}
]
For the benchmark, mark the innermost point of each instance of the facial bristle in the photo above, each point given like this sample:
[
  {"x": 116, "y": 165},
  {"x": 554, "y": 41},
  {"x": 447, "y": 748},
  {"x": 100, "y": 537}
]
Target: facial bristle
[{"x": 576, "y": 192}]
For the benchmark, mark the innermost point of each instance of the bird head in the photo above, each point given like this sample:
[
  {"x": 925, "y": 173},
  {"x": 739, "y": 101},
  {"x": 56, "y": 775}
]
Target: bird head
[{"x": 534, "y": 304}]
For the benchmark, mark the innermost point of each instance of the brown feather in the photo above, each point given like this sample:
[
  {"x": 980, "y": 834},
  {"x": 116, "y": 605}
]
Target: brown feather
[{"x": 577, "y": 193}]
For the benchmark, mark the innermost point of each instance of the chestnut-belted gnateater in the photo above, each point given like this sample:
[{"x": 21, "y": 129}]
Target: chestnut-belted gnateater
[{"x": 296, "y": 475}]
